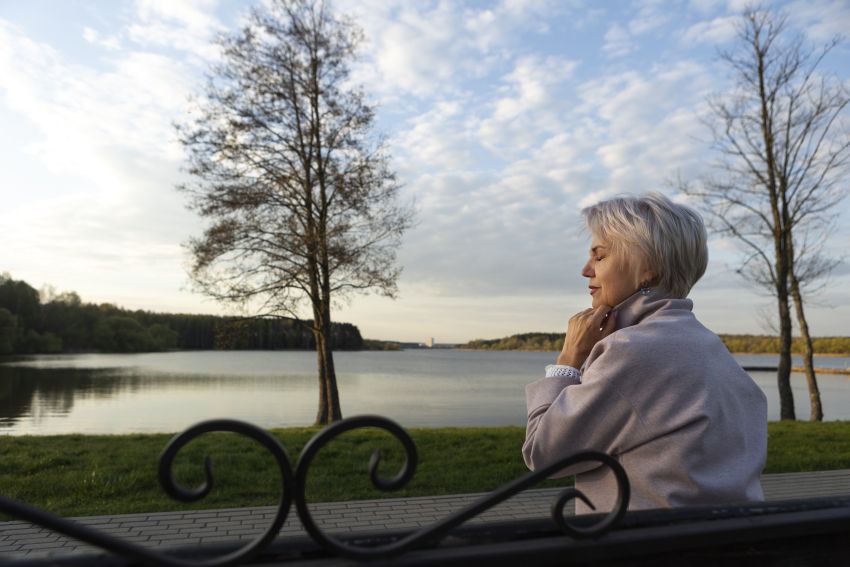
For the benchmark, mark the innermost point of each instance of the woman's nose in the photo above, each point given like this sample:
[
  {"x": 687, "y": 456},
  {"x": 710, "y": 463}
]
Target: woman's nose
[{"x": 587, "y": 271}]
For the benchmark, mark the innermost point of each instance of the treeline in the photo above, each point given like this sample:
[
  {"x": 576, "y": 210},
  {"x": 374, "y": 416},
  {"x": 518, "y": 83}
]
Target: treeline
[
  {"x": 30, "y": 324},
  {"x": 523, "y": 341},
  {"x": 752, "y": 344},
  {"x": 755, "y": 344}
]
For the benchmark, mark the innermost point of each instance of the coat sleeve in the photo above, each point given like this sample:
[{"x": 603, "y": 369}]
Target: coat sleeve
[{"x": 566, "y": 416}]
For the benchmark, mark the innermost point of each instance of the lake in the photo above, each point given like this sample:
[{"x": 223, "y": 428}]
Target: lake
[{"x": 167, "y": 392}]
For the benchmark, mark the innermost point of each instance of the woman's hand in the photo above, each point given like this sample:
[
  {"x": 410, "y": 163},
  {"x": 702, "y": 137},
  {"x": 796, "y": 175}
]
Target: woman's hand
[{"x": 585, "y": 329}]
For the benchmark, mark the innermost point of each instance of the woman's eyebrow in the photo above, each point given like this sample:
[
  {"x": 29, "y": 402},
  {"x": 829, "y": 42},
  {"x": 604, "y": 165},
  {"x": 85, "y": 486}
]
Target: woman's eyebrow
[{"x": 595, "y": 248}]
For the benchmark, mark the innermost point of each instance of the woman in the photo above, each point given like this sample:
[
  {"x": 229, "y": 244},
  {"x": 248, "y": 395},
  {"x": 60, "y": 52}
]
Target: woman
[{"x": 639, "y": 378}]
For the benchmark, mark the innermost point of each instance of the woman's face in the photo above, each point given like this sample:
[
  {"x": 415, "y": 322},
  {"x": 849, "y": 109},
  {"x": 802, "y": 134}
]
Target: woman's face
[{"x": 610, "y": 281}]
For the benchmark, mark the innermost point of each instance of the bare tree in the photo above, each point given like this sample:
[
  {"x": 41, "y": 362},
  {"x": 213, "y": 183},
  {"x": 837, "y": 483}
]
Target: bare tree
[
  {"x": 784, "y": 147},
  {"x": 300, "y": 195}
]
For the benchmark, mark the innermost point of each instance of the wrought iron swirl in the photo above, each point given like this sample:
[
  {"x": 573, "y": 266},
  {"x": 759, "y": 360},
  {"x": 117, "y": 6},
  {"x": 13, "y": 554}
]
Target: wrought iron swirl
[
  {"x": 440, "y": 529},
  {"x": 149, "y": 556},
  {"x": 293, "y": 487}
]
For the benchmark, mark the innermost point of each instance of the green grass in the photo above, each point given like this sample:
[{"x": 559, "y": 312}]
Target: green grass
[
  {"x": 797, "y": 446},
  {"x": 77, "y": 475}
]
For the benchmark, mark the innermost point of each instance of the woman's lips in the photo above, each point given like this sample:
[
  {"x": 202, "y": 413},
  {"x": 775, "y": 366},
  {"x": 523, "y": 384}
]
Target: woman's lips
[{"x": 593, "y": 290}]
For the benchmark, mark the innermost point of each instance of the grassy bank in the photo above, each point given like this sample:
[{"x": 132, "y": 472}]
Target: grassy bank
[{"x": 77, "y": 475}]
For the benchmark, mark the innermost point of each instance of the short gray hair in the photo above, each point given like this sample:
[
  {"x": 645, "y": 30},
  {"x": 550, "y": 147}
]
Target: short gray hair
[{"x": 669, "y": 238}]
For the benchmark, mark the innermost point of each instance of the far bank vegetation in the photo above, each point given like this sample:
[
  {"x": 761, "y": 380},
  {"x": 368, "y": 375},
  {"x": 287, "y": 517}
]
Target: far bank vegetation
[
  {"x": 750, "y": 344},
  {"x": 47, "y": 322}
]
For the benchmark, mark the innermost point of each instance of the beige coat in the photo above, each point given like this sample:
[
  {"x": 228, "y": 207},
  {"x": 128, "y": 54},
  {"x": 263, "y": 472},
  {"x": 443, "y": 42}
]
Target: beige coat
[{"x": 664, "y": 397}]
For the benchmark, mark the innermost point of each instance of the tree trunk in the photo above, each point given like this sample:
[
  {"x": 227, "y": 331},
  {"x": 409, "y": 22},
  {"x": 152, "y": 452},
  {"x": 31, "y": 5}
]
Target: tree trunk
[
  {"x": 783, "y": 374},
  {"x": 322, "y": 414},
  {"x": 334, "y": 411},
  {"x": 808, "y": 354},
  {"x": 329, "y": 407}
]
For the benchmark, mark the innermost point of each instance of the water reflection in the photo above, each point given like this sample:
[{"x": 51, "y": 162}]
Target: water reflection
[
  {"x": 46, "y": 395},
  {"x": 167, "y": 392},
  {"x": 33, "y": 391}
]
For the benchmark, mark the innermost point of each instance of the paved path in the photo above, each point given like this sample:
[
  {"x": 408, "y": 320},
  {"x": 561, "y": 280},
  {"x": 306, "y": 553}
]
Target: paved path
[{"x": 167, "y": 529}]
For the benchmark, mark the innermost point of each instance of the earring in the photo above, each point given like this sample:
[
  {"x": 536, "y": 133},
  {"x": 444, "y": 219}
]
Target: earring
[{"x": 644, "y": 288}]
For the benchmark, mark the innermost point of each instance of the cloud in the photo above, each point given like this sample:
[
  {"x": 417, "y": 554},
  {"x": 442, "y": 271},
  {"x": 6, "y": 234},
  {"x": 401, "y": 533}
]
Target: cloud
[
  {"x": 84, "y": 113},
  {"x": 415, "y": 48},
  {"x": 821, "y": 20},
  {"x": 561, "y": 162},
  {"x": 529, "y": 105},
  {"x": 718, "y": 30},
  {"x": 190, "y": 14},
  {"x": 488, "y": 232},
  {"x": 476, "y": 213},
  {"x": 706, "y": 6},
  {"x": 531, "y": 82},
  {"x": 436, "y": 140},
  {"x": 497, "y": 28},
  {"x": 738, "y": 6},
  {"x": 110, "y": 42},
  {"x": 651, "y": 15},
  {"x": 618, "y": 41},
  {"x": 651, "y": 129},
  {"x": 485, "y": 235},
  {"x": 187, "y": 25},
  {"x": 622, "y": 36},
  {"x": 427, "y": 49}
]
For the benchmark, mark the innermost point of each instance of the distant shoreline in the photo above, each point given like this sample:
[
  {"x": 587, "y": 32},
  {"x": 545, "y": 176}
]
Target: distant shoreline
[
  {"x": 833, "y": 354},
  {"x": 822, "y": 370},
  {"x": 836, "y": 354},
  {"x": 800, "y": 369}
]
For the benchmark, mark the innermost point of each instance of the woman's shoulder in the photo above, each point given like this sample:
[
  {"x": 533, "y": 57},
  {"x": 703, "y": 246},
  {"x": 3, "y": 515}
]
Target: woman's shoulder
[
  {"x": 656, "y": 343},
  {"x": 658, "y": 330},
  {"x": 673, "y": 325}
]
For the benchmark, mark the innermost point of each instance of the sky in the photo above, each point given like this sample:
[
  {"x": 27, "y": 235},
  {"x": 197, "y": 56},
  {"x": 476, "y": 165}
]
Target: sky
[{"x": 503, "y": 118}]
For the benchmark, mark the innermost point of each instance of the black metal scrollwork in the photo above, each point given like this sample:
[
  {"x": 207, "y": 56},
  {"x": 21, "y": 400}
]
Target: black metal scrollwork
[
  {"x": 293, "y": 487},
  {"x": 440, "y": 529},
  {"x": 408, "y": 468},
  {"x": 150, "y": 556}
]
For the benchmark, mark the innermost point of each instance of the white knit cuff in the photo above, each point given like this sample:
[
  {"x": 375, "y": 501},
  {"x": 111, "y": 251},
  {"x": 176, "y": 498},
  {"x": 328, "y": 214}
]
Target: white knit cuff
[{"x": 562, "y": 370}]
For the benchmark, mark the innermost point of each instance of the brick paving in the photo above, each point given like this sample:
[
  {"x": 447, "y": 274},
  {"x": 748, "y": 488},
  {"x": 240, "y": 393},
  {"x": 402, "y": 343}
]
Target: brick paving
[{"x": 21, "y": 540}]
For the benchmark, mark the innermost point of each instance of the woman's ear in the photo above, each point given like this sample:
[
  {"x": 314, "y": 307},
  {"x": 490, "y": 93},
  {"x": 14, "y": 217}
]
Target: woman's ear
[{"x": 648, "y": 278}]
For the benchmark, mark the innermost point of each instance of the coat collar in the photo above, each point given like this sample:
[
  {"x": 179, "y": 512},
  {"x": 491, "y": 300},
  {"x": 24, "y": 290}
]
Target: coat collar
[{"x": 640, "y": 305}]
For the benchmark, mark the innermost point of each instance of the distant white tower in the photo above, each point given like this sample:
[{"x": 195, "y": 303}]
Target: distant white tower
[{"x": 429, "y": 342}]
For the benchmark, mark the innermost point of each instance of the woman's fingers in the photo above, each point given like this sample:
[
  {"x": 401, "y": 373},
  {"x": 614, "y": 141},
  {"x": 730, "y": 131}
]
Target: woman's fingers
[
  {"x": 584, "y": 330},
  {"x": 593, "y": 318},
  {"x": 603, "y": 318}
]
